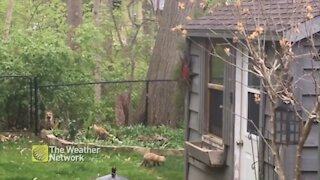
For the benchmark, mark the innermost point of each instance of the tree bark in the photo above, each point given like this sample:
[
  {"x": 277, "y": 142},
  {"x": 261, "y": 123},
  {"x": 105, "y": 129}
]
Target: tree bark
[
  {"x": 74, "y": 18},
  {"x": 108, "y": 45},
  {"x": 163, "y": 65},
  {"x": 279, "y": 167},
  {"x": 97, "y": 70},
  {"x": 8, "y": 21},
  {"x": 146, "y": 15}
]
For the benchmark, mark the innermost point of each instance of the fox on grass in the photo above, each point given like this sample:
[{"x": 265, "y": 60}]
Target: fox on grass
[
  {"x": 152, "y": 159},
  {"x": 49, "y": 122},
  {"x": 100, "y": 132}
]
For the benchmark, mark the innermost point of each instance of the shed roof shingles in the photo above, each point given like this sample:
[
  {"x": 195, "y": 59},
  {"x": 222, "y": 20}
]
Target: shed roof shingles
[{"x": 273, "y": 14}]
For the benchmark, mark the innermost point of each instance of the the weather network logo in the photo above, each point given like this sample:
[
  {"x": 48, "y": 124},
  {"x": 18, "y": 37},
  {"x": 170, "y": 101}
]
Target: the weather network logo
[
  {"x": 40, "y": 153},
  {"x": 45, "y": 153}
]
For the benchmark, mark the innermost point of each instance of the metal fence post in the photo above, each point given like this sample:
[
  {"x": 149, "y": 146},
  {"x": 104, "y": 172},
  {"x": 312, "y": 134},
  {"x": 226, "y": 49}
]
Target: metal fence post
[
  {"x": 30, "y": 104},
  {"x": 36, "y": 106},
  {"x": 145, "y": 121}
]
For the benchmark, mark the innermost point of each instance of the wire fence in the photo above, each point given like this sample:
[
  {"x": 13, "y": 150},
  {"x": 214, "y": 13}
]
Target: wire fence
[
  {"x": 75, "y": 104},
  {"x": 25, "y": 100}
]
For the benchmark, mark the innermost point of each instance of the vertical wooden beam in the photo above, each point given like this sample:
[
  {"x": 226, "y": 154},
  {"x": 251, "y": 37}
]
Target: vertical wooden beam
[
  {"x": 203, "y": 109},
  {"x": 37, "y": 106},
  {"x": 187, "y": 116},
  {"x": 318, "y": 150}
]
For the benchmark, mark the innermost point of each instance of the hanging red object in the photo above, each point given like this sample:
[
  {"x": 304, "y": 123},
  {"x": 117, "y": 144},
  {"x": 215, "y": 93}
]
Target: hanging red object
[{"x": 186, "y": 72}]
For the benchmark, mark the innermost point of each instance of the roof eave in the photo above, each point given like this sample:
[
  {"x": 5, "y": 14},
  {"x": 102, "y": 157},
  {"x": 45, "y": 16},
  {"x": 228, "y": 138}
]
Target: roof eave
[
  {"x": 293, "y": 34},
  {"x": 302, "y": 31},
  {"x": 226, "y": 34}
]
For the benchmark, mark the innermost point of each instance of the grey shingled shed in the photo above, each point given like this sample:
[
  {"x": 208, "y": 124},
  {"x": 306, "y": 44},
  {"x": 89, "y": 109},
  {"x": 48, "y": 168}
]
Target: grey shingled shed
[{"x": 219, "y": 142}]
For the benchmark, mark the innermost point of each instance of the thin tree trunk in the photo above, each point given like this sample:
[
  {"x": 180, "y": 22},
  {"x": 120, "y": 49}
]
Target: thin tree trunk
[
  {"x": 97, "y": 70},
  {"x": 146, "y": 14},
  {"x": 148, "y": 18},
  {"x": 74, "y": 18},
  {"x": 8, "y": 20},
  {"x": 109, "y": 39}
]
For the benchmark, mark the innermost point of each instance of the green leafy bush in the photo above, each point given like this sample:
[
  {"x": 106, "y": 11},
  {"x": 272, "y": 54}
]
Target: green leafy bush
[{"x": 145, "y": 136}]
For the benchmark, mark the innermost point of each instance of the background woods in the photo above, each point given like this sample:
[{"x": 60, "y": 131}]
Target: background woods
[
  {"x": 66, "y": 42},
  {"x": 85, "y": 41}
]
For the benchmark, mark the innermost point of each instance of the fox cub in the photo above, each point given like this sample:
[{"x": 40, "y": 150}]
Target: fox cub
[
  {"x": 152, "y": 159},
  {"x": 100, "y": 132},
  {"x": 49, "y": 120}
]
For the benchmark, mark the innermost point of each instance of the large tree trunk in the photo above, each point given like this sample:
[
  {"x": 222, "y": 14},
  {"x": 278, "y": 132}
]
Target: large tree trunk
[
  {"x": 74, "y": 18},
  {"x": 8, "y": 21},
  {"x": 162, "y": 101}
]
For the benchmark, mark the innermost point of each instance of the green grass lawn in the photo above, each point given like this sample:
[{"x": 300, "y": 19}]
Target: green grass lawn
[{"x": 15, "y": 163}]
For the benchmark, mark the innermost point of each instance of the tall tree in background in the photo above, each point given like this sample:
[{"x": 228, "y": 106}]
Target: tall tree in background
[
  {"x": 109, "y": 38},
  {"x": 164, "y": 64},
  {"x": 8, "y": 21},
  {"x": 147, "y": 13},
  {"x": 97, "y": 71},
  {"x": 74, "y": 18}
]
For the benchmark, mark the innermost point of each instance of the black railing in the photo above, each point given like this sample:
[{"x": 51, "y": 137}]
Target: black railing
[
  {"x": 40, "y": 88},
  {"x": 35, "y": 97}
]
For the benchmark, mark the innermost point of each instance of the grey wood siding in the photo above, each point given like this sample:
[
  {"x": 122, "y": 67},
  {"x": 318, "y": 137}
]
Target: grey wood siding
[
  {"x": 305, "y": 69},
  {"x": 196, "y": 116},
  {"x": 199, "y": 171},
  {"x": 305, "y": 91},
  {"x": 193, "y": 119},
  {"x": 194, "y": 102},
  {"x": 193, "y": 126}
]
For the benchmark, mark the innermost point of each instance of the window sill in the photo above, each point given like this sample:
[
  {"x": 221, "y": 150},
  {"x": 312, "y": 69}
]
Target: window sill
[
  {"x": 215, "y": 86},
  {"x": 213, "y": 140},
  {"x": 211, "y": 153}
]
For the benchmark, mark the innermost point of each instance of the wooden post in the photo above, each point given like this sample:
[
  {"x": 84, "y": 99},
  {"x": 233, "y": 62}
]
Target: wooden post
[{"x": 31, "y": 119}]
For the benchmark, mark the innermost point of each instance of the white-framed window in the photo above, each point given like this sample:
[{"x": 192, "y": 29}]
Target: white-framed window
[{"x": 253, "y": 98}]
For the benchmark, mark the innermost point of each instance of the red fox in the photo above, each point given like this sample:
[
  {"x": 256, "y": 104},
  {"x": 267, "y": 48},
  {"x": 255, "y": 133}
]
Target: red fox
[
  {"x": 152, "y": 159},
  {"x": 100, "y": 132},
  {"x": 48, "y": 120}
]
